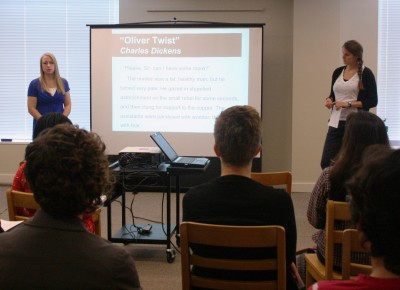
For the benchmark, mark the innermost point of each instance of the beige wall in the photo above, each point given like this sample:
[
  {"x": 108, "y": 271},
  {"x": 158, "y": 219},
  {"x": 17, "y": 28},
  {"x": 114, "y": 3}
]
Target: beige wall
[
  {"x": 11, "y": 156},
  {"x": 320, "y": 29},
  {"x": 302, "y": 42}
]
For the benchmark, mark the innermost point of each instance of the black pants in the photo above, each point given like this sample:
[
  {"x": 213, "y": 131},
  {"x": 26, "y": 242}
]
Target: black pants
[{"x": 332, "y": 145}]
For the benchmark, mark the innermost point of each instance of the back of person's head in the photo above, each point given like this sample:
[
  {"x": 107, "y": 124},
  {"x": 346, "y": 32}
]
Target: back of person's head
[
  {"x": 362, "y": 130},
  {"x": 49, "y": 120},
  {"x": 67, "y": 170},
  {"x": 237, "y": 134},
  {"x": 375, "y": 203}
]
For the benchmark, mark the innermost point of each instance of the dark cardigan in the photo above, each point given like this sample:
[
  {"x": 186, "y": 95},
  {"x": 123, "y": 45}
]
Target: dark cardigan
[{"x": 368, "y": 96}]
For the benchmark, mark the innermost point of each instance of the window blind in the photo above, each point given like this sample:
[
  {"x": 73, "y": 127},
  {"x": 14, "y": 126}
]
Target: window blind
[
  {"x": 389, "y": 67},
  {"x": 32, "y": 27}
]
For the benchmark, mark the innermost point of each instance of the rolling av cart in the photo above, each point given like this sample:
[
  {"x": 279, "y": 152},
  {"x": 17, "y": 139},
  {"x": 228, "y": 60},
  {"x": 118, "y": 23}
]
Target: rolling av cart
[{"x": 159, "y": 234}]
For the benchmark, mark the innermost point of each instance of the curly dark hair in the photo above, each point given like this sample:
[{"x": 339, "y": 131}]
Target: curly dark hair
[
  {"x": 237, "y": 134},
  {"x": 375, "y": 191},
  {"x": 67, "y": 170}
]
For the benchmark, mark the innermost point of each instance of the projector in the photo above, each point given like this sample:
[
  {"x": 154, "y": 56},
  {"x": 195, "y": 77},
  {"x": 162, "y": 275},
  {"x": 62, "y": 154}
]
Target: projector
[{"x": 139, "y": 157}]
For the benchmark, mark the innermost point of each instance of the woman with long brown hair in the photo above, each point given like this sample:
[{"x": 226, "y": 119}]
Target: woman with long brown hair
[
  {"x": 353, "y": 88},
  {"x": 362, "y": 130}
]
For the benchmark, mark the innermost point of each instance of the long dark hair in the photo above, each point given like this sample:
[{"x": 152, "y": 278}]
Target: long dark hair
[{"x": 362, "y": 130}]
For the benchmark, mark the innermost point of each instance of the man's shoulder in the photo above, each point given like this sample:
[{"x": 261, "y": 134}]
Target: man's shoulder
[{"x": 236, "y": 183}]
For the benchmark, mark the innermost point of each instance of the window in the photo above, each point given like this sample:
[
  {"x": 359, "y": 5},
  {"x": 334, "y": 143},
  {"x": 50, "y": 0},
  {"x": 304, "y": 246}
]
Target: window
[
  {"x": 389, "y": 67},
  {"x": 30, "y": 28}
]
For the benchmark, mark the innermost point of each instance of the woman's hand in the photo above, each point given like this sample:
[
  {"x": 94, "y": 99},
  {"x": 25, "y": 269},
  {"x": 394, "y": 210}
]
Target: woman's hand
[
  {"x": 329, "y": 103},
  {"x": 339, "y": 105},
  {"x": 32, "y": 103}
]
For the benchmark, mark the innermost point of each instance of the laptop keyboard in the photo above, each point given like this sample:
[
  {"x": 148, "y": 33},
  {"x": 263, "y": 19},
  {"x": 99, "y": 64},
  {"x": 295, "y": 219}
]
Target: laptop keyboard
[{"x": 186, "y": 160}]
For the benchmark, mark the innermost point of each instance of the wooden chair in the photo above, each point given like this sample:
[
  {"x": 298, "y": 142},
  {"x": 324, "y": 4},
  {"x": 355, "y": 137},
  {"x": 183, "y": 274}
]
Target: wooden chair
[
  {"x": 20, "y": 199},
  {"x": 315, "y": 270},
  {"x": 274, "y": 178},
  {"x": 232, "y": 236},
  {"x": 25, "y": 199},
  {"x": 96, "y": 215},
  {"x": 352, "y": 243}
]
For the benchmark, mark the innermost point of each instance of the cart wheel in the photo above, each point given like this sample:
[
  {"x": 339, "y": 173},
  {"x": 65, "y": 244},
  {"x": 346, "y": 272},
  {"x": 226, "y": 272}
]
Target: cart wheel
[{"x": 170, "y": 255}]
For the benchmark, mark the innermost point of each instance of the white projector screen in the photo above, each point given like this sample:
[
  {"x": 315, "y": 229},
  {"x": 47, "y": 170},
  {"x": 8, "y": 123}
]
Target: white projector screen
[{"x": 172, "y": 79}]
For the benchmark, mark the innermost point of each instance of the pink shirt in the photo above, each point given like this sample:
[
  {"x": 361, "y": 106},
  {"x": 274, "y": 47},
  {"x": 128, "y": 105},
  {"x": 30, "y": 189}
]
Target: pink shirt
[{"x": 363, "y": 282}]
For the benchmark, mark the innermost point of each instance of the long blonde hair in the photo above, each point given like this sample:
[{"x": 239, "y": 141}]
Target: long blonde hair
[{"x": 58, "y": 79}]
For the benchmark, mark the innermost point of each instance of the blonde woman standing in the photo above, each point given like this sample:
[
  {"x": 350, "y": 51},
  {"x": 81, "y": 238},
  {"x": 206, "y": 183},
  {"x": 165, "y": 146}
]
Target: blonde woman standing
[{"x": 49, "y": 92}]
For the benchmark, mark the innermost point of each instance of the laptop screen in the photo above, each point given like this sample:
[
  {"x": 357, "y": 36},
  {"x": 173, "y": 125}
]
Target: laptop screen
[{"x": 163, "y": 144}]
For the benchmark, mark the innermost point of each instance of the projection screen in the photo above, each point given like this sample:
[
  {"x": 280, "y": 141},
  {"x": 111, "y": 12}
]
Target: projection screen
[{"x": 174, "y": 79}]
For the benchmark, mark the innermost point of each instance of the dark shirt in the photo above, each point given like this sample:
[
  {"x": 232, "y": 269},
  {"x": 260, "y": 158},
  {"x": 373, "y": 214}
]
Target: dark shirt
[
  {"x": 238, "y": 200},
  {"x": 48, "y": 253}
]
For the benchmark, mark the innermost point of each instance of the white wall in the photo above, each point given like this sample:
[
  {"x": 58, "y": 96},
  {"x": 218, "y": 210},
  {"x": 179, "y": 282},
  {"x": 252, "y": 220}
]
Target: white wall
[{"x": 303, "y": 40}]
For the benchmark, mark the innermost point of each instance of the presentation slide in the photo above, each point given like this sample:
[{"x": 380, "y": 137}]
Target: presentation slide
[{"x": 171, "y": 80}]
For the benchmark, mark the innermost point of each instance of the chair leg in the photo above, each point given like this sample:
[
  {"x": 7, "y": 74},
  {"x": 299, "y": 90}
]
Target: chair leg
[
  {"x": 97, "y": 227},
  {"x": 309, "y": 279}
]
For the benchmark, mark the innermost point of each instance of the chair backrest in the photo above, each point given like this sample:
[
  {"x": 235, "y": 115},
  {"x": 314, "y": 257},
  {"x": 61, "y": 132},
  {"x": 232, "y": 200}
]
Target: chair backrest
[
  {"x": 232, "y": 236},
  {"x": 17, "y": 198},
  {"x": 20, "y": 199},
  {"x": 335, "y": 211},
  {"x": 96, "y": 215},
  {"x": 274, "y": 178},
  {"x": 352, "y": 243}
]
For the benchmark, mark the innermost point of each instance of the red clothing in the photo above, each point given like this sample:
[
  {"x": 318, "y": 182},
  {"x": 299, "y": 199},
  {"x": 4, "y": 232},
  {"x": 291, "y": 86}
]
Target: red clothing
[
  {"x": 20, "y": 184},
  {"x": 363, "y": 282}
]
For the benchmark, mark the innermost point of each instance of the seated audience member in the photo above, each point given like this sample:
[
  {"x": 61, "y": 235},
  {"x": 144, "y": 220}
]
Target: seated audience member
[
  {"x": 46, "y": 121},
  {"x": 234, "y": 198},
  {"x": 67, "y": 170},
  {"x": 362, "y": 129},
  {"x": 375, "y": 202}
]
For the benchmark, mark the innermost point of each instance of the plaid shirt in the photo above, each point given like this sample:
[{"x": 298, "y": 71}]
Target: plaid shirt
[{"x": 316, "y": 215}]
